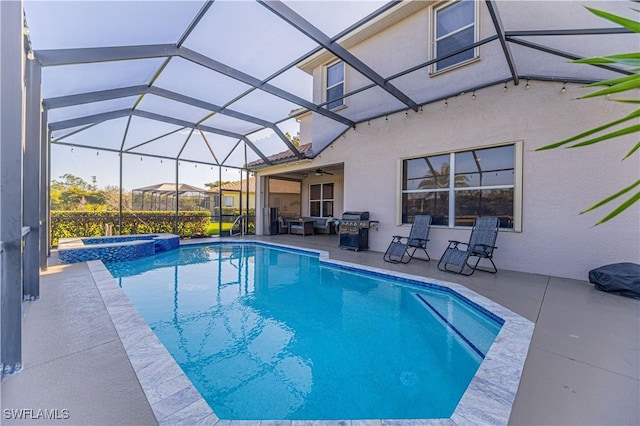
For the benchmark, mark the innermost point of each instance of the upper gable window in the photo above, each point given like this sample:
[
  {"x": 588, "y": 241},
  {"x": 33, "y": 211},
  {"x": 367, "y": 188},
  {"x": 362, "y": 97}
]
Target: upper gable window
[
  {"x": 335, "y": 85},
  {"x": 455, "y": 28}
]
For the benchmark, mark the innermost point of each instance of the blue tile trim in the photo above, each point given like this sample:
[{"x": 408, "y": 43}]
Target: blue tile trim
[
  {"x": 117, "y": 248},
  {"x": 451, "y": 326},
  {"x": 256, "y": 243}
]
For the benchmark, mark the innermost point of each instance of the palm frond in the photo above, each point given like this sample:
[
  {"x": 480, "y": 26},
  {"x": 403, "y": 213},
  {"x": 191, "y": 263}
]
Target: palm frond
[
  {"x": 620, "y": 87},
  {"x": 622, "y": 207},
  {"x": 612, "y": 81},
  {"x": 631, "y": 116},
  {"x": 634, "y": 149},
  {"x": 621, "y": 132},
  {"x": 620, "y": 20},
  {"x": 612, "y": 197}
]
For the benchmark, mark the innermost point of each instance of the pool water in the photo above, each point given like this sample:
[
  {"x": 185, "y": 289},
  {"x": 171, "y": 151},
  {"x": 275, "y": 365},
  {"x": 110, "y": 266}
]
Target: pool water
[{"x": 267, "y": 333}]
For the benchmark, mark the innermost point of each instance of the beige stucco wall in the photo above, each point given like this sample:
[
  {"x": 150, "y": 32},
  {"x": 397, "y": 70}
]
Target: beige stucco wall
[
  {"x": 408, "y": 43},
  {"x": 557, "y": 184}
]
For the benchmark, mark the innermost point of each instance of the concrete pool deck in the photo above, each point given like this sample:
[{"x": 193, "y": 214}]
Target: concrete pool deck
[{"x": 583, "y": 365}]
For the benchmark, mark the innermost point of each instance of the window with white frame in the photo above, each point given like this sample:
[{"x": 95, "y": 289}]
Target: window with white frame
[
  {"x": 228, "y": 201},
  {"x": 454, "y": 28},
  {"x": 455, "y": 188},
  {"x": 335, "y": 85},
  {"x": 321, "y": 200}
]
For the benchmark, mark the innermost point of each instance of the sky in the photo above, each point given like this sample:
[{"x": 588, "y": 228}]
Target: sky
[{"x": 232, "y": 32}]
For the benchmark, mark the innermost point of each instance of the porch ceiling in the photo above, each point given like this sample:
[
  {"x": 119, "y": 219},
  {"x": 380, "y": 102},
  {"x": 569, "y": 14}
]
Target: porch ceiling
[{"x": 222, "y": 75}]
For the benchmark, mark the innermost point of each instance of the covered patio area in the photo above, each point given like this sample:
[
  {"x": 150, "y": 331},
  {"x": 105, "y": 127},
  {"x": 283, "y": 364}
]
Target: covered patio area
[{"x": 585, "y": 346}]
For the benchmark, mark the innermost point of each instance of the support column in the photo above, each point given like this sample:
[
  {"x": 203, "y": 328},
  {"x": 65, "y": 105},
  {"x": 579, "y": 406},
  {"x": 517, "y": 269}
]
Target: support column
[
  {"x": 44, "y": 192},
  {"x": 11, "y": 144},
  {"x": 31, "y": 183},
  {"x": 120, "y": 156},
  {"x": 175, "y": 223},
  {"x": 220, "y": 200}
]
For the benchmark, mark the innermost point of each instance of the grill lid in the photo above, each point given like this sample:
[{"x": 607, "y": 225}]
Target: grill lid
[{"x": 355, "y": 216}]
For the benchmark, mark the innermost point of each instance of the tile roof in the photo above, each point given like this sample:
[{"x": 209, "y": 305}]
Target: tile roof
[
  {"x": 305, "y": 149},
  {"x": 170, "y": 188}
]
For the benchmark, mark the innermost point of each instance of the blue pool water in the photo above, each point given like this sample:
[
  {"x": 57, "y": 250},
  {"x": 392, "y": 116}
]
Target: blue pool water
[{"x": 267, "y": 333}]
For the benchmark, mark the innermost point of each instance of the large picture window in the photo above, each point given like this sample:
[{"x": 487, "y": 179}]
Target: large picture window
[
  {"x": 454, "y": 29},
  {"x": 321, "y": 200},
  {"x": 335, "y": 85},
  {"x": 457, "y": 187}
]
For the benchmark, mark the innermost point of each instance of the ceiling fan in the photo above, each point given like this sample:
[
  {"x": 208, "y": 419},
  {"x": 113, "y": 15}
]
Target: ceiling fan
[{"x": 320, "y": 172}]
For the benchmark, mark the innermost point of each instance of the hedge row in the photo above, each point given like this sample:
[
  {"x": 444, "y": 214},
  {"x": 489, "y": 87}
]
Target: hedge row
[{"x": 68, "y": 224}]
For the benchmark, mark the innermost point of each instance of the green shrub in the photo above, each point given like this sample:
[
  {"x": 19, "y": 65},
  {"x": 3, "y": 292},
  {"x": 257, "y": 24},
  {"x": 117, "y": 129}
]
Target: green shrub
[{"x": 68, "y": 224}]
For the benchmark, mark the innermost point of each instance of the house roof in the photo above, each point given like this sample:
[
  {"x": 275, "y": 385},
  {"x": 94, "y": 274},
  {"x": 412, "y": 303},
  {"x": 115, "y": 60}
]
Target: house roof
[
  {"x": 280, "y": 186},
  {"x": 239, "y": 185},
  {"x": 170, "y": 188},
  {"x": 280, "y": 157}
]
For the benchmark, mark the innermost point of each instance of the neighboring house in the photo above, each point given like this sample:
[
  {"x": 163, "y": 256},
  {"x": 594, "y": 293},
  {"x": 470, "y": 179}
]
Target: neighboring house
[
  {"x": 233, "y": 191},
  {"x": 162, "y": 197},
  {"x": 471, "y": 153}
]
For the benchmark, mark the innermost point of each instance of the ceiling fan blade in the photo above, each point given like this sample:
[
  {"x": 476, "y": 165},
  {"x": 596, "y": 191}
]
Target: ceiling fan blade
[{"x": 322, "y": 172}]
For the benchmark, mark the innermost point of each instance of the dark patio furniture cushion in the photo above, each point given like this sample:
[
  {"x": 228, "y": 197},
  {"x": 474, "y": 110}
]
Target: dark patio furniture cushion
[{"x": 619, "y": 278}]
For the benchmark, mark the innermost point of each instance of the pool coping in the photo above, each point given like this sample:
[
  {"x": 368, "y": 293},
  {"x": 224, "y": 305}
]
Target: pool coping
[{"x": 174, "y": 400}]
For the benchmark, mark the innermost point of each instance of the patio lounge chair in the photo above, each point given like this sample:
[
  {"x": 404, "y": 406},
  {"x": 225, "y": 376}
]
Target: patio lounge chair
[
  {"x": 402, "y": 249},
  {"x": 481, "y": 246}
]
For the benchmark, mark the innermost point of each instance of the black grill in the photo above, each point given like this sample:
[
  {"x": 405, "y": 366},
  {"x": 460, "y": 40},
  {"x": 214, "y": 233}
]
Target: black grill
[{"x": 354, "y": 230}]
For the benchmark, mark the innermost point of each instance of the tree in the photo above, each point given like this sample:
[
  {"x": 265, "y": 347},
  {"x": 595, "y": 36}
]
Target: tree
[
  {"x": 618, "y": 85},
  {"x": 295, "y": 140},
  {"x": 212, "y": 186},
  {"x": 74, "y": 193},
  {"x": 112, "y": 198}
]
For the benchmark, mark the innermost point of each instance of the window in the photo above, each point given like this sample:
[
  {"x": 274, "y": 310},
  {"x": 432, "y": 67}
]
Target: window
[
  {"x": 454, "y": 29},
  {"x": 456, "y": 188},
  {"x": 321, "y": 200},
  {"x": 335, "y": 85},
  {"x": 228, "y": 201}
]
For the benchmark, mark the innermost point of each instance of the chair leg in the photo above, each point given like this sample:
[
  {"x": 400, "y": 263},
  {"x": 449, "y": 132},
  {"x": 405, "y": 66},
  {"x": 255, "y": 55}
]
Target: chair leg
[
  {"x": 426, "y": 254},
  {"x": 411, "y": 256},
  {"x": 444, "y": 267},
  {"x": 475, "y": 266}
]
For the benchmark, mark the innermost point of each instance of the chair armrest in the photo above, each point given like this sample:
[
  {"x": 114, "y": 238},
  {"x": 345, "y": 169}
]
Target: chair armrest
[{"x": 455, "y": 244}]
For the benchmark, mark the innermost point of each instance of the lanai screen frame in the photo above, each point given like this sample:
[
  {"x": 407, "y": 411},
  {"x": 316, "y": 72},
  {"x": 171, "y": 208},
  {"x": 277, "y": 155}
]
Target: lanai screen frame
[{"x": 29, "y": 127}]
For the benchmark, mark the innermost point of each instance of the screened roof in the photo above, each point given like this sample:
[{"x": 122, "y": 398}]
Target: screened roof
[
  {"x": 170, "y": 188},
  {"x": 220, "y": 82}
]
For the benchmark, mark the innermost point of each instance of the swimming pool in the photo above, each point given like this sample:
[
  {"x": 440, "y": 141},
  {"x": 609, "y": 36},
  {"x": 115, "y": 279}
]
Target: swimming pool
[{"x": 269, "y": 333}]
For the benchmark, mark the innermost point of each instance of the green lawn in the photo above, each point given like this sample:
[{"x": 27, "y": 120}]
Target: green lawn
[{"x": 214, "y": 228}]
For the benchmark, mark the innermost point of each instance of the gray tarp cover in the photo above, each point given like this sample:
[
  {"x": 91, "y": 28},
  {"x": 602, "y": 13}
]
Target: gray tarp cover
[{"x": 620, "y": 278}]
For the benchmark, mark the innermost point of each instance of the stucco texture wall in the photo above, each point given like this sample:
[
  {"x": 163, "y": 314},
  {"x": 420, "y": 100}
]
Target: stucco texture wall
[{"x": 557, "y": 185}]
